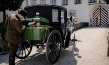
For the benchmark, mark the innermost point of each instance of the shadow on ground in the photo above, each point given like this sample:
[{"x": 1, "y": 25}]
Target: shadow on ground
[{"x": 67, "y": 57}]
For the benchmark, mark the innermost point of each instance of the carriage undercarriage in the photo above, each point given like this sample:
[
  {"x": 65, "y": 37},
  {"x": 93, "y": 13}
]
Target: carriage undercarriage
[{"x": 53, "y": 47}]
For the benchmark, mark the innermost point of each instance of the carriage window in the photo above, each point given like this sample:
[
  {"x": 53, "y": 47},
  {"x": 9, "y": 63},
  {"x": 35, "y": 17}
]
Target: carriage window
[
  {"x": 33, "y": 2},
  {"x": 54, "y": 15},
  {"x": 62, "y": 16}
]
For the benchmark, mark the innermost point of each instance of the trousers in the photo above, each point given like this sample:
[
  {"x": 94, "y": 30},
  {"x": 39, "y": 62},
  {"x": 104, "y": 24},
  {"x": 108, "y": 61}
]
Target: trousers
[
  {"x": 13, "y": 50},
  {"x": 69, "y": 32}
]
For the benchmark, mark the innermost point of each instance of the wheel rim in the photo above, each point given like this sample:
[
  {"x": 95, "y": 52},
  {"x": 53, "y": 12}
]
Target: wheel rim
[
  {"x": 24, "y": 50},
  {"x": 53, "y": 48}
]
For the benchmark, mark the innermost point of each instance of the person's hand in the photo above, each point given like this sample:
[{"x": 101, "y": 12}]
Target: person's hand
[
  {"x": 33, "y": 22},
  {"x": 23, "y": 27}
]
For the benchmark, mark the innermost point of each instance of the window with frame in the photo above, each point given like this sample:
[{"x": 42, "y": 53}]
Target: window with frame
[
  {"x": 64, "y": 2},
  {"x": 62, "y": 16},
  {"x": 53, "y": 2},
  {"x": 42, "y": 1},
  {"x": 55, "y": 15},
  {"x": 72, "y": 13},
  {"x": 77, "y": 1},
  {"x": 92, "y": 1},
  {"x": 33, "y": 2}
]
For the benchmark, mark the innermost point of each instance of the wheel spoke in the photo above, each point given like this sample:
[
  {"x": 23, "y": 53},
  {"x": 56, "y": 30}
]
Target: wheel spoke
[
  {"x": 51, "y": 39},
  {"x": 19, "y": 47},
  {"x": 24, "y": 50},
  {"x": 58, "y": 39},
  {"x": 57, "y": 49},
  {"x": 54, "y": 37},
  {"x": 54, "y": 56},
  {"x": 19, "y": 51},
  {"x": 56, "y": 52},
  {"x": 50, "y": 55}
]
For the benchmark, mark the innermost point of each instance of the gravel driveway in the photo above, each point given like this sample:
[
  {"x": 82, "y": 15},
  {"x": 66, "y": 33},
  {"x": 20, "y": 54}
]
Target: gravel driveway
[{"x": 91, "y": 49}]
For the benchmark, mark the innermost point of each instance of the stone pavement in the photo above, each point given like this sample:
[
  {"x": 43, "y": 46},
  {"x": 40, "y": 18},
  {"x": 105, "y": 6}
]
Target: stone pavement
[{"x": 91, "y": 49}]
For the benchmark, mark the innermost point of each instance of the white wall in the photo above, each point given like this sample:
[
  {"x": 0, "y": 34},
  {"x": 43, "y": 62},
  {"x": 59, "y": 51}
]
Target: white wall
[{"x": 83, "y": 10}]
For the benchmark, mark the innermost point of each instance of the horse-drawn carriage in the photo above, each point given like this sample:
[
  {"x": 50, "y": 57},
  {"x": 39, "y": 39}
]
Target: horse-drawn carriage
[{"x": 52, "y": 32}]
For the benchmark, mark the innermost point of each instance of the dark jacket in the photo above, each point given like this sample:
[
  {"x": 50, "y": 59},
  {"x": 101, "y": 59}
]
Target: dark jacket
[{"x": 14, "y": 29}]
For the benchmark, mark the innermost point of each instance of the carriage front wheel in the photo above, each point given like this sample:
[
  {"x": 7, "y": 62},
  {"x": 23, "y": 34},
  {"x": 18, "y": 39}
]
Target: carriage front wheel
[
  {"x": 24, "y": 49},
  {"x": 53, "y": 47}
]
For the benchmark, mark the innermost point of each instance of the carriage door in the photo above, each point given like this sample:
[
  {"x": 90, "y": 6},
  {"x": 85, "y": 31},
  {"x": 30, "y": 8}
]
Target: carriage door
[{"x": 100, "y": 17}]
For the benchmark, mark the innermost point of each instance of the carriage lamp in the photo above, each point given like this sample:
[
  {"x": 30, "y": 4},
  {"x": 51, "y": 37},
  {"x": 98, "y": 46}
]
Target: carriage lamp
[{"x": 37, "y": 13}]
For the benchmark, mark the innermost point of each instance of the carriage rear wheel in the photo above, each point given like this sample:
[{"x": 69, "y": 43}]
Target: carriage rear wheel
[
  {"x": 24, "y": 49},
  {"x": 53, "y": 47}
]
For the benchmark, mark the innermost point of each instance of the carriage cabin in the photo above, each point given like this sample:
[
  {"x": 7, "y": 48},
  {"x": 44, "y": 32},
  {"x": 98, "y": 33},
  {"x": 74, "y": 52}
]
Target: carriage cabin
[{"x": 57, "y": 15}]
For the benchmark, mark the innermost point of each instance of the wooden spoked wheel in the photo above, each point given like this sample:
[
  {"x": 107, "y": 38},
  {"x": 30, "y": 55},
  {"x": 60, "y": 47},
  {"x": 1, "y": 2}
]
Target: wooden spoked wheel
[
  {"x": 24, "y": 50},
  {"x": 53, "y": 47}
]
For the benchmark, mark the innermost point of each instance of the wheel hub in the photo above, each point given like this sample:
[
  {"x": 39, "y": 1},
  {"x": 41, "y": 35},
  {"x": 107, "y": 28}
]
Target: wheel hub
[{"x": 53, "y": 46}]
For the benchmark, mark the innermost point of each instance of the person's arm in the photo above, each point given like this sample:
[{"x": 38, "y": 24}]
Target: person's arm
[
  {"x": 30, "y": 23},
  {"x": 18, "y": 26},
  {"x": 7, "y": 20}
]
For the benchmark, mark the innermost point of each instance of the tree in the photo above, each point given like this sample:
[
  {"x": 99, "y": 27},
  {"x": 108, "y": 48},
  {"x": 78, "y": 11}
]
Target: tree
[
  {"x": 9, "y": 5},
  {"x": 107, "y": 1}
]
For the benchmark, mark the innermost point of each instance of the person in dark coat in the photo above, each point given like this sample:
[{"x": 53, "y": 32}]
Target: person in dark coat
[{"x": 14, "y": 29}]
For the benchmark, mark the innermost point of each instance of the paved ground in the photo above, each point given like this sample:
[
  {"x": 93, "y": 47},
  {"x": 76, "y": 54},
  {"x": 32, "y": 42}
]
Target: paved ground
[{"x": 91, "y": 49}]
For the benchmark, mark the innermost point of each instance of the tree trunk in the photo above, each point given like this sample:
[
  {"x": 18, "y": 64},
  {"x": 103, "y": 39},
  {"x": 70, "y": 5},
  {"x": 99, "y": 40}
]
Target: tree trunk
[{"x": 4, "y": 16}]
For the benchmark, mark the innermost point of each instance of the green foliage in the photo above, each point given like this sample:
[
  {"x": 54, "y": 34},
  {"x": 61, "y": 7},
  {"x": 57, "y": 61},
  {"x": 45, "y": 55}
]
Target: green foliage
[
  {"x": 3, "y": 29},
  {"x": 10, "y": 4},
  {"x": 107, "y": 1}
]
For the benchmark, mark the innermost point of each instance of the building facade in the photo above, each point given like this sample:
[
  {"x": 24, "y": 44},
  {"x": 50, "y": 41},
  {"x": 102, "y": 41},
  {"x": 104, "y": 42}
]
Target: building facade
[{"x": 95, "y": 12}]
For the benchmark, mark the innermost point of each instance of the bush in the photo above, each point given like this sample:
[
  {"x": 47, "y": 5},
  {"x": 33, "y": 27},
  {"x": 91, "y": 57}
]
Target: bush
[
  {"x": 3, "y": 29},
  {"x": 79, "y": 25}
]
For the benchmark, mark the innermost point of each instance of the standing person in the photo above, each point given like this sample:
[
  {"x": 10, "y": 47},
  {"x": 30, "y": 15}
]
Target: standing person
[
  {"x": 69, "y": 32},
  {"x": 14, "y": 29}
]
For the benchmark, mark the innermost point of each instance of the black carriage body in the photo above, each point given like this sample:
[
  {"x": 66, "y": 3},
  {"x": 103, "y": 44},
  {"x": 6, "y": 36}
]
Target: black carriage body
[{"x": 46, "y": 11}]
